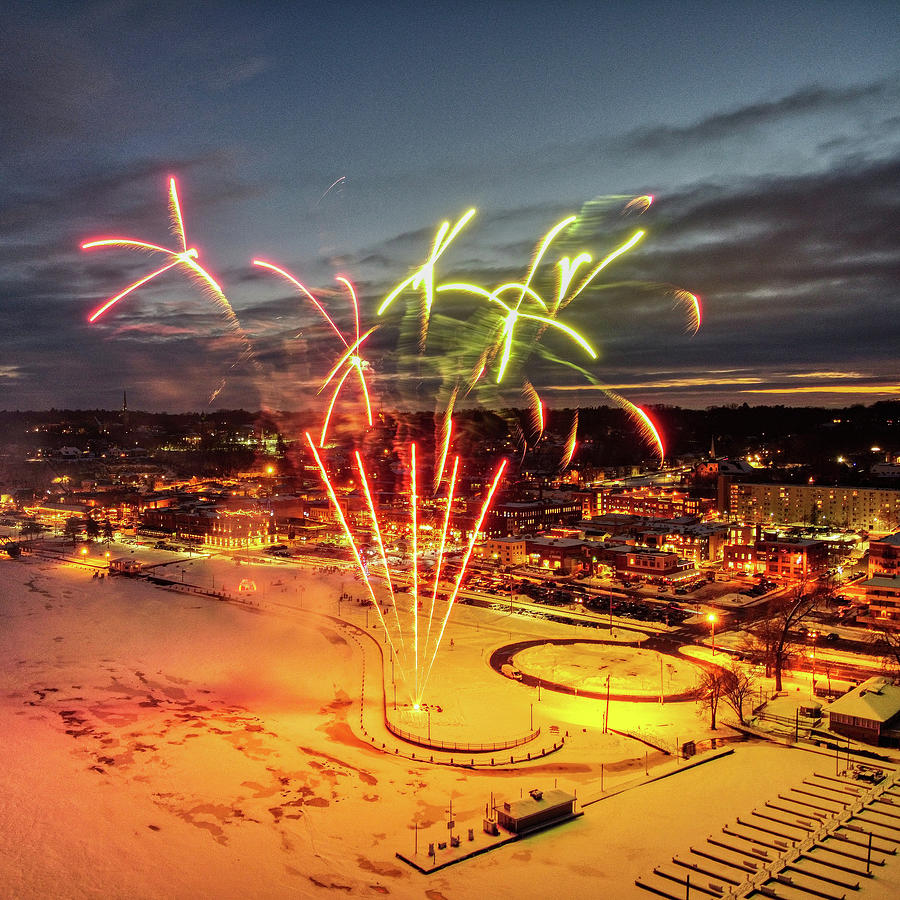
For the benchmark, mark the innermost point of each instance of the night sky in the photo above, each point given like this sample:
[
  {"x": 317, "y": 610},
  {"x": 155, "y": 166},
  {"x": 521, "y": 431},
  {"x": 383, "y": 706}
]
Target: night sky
[{"x": 769, "y": 134}]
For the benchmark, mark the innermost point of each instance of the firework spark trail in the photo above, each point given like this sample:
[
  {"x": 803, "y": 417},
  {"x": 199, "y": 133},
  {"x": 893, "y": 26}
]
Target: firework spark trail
[
  {"x": 447, "y": 428},
  {"x": 570, "y": 443},
  {"x": 537, "y": 408},
  {"x": 692, "y": 302},
  {"x": 350, "y": 358},
  {"x": 219, "y": 388},
  {"x": 650, "y": 431},
  {"x": 505, "y": 332},
  {"x": 353, "y": 299},
  {"x": 423, "y": 277},
  {"x": 459, "y": 578},
  {"x": 513, "y": 314},
  {"x": 440, "y": 561},
  {"x": 641, "y": 204},
  {"x": 539, "y": 254},
  {"x": 99, "y": 312},
  {"x": 176, "y": 220},
  {"x": 414, "y": 502},
  {"x": 326, "y": 421},
  {"x": 478, "y": 373},
  {"x": 354, "y": 362},
  {"x": 567, "y": 269},
  {"x": 338, "y": 181},
  {"x": 377, "y": 530},
  {"x": 287, "y": 275},
  {"x": 359, "y": 562},
  {"x": 624, "y": 248}
]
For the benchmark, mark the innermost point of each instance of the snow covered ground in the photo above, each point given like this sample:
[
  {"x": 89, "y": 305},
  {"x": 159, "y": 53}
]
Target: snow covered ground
[
  {"x": 631, "y": 670},
  {"x": 160, "y": 744}
]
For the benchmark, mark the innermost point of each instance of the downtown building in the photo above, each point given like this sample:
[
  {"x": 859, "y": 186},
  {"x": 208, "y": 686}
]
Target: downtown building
[
  {"x": 882, "y": 587},
  {"x": 654, "y": 503},
  {"x": 210, "y": 527},
  {"x": 866, "y": 508},
  {"x": 791, "y": 553},
  {"x": 531, "y": 516}
]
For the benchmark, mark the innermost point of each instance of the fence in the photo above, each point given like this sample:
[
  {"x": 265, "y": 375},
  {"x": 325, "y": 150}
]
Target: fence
[{"x": 423, "y": 741}]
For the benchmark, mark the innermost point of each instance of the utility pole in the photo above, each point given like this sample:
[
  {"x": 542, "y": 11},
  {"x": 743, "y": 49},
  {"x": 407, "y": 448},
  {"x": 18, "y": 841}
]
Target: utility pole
[
  {"x": 661, "y": 689},
  {"x": 606, "y": 717}
]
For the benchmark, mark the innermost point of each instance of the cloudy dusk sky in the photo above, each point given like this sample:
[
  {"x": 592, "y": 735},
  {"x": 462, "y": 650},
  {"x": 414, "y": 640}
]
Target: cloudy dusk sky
[{"x": 768, "y": 134}]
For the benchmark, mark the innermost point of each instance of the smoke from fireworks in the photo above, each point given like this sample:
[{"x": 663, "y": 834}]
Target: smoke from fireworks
[{"x": 350, "y": 361}]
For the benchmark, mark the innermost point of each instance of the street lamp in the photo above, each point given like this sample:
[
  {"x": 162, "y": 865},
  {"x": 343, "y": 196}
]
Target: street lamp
[
  {"x": 711, "y": 618},
  {"x": 814, "y": 635}
]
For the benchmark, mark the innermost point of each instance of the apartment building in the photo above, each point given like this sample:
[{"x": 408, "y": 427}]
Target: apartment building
[{"x": 871, "y": 509}]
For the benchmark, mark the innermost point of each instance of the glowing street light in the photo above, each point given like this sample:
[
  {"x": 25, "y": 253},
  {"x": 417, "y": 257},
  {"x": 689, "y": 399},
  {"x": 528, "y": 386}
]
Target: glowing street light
[
  {"x": 813, "y": 635},
  {"x": 711, "y": 618}
]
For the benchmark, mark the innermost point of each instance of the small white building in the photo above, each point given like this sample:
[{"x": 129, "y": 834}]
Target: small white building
[
  {"x": 540, "y": 809},
  {"x": 124, "y": 565}
]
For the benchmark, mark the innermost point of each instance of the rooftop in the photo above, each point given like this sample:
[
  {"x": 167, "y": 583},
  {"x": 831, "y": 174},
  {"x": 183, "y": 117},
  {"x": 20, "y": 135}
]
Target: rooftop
[
  {"x": 887, "y": 581},
  {"x": 555, "y": 542},
  {"x": 537, "y": 800},
  {"x": 876, "y": 699}
]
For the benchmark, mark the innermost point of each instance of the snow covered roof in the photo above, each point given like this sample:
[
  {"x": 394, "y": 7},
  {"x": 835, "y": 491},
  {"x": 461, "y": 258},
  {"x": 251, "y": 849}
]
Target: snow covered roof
[
  {"x": 883, "y": 581},
  {"x": 876, "y": 699},
  {"x": 562, "y": 543},
  {"x": 536, "y": 800}
]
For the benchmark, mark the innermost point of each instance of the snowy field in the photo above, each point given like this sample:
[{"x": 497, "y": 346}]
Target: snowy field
[
  {"x": 630, "y": 670},
  {"x": 157, "y": 744}
]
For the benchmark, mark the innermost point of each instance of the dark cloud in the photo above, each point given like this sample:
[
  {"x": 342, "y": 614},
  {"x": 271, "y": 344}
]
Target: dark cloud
[
  {"x": 809, "y": 101},
  {"x": 793, "y": 268}
]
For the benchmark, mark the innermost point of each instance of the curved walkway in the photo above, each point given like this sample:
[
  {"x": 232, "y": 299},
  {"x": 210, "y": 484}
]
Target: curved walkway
[{"x": 437, "y": 754}]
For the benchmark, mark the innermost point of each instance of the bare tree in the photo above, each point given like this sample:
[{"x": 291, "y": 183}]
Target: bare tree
[
  {"x": 29, "y": 528},
  {"x": 758, "y": 643},
  {"x": 711, "y": 690},
  {"x": 91, "y": 528},
  {"x": 739, "y": 685},
  {"x": 73, "y": 528},
  {"x": 887, "y": 645},
  {"x": 772, "y": 635}
]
